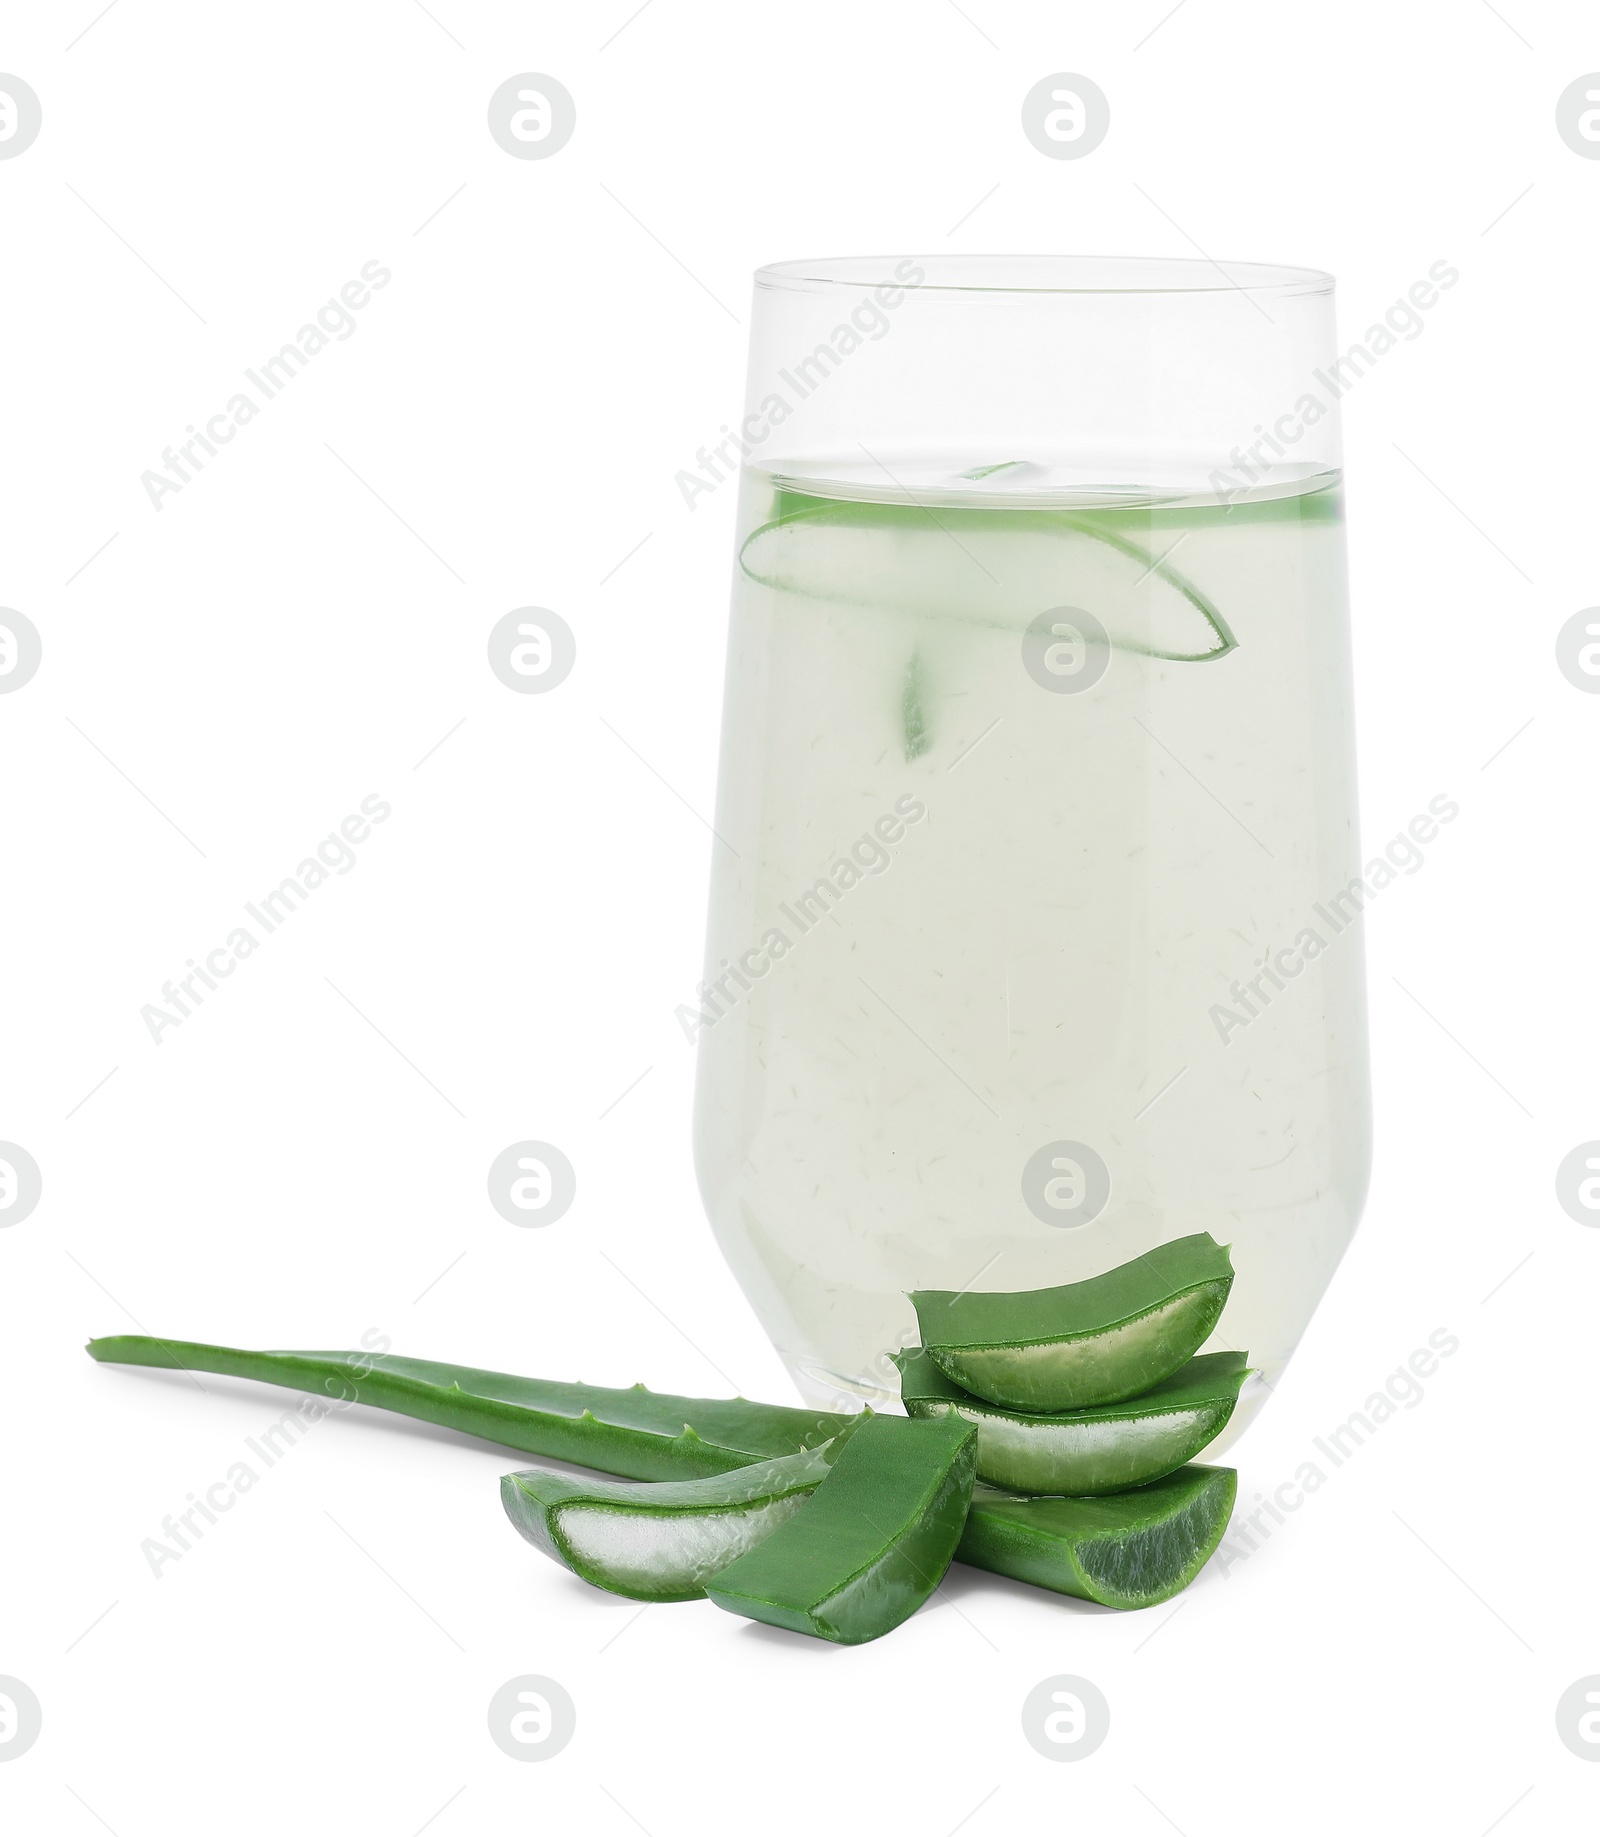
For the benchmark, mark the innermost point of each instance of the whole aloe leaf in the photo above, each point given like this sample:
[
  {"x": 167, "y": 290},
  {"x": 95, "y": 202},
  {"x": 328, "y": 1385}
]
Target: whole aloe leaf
[{"x": 637, "y": 1433}]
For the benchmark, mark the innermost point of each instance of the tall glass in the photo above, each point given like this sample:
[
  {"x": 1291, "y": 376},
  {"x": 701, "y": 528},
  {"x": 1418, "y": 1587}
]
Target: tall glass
[{"x": 1033, "y": 936}]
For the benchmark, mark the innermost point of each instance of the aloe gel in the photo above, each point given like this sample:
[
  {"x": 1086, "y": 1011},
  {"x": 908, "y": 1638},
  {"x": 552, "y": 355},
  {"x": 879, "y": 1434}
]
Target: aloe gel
[
  {"x": 1104, "y": 1449},
  {"x": 659, "y": 1542}
]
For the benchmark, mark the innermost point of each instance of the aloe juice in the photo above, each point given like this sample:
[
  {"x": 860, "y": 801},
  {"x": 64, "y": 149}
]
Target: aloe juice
[{"x": 1024, "y": 794}]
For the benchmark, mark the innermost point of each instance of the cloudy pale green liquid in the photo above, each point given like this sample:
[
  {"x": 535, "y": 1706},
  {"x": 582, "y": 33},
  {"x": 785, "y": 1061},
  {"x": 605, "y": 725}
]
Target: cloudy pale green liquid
[{"x": 1035, "y": 956}]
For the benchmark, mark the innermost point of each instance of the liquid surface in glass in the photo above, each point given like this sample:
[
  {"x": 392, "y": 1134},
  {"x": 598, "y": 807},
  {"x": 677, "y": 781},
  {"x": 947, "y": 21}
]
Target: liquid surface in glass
[{"x": 1030, "y": 942}]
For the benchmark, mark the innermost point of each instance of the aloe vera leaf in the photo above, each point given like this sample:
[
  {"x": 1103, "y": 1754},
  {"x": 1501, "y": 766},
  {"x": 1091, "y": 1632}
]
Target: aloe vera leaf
[
  {"x": 1105, "y": 1449},
  {"x": 659, "y": 1541},
  {"x": 871, "y": 1543},
  {"x": 629, "y": 1432},
  {"x": 913, "y": 708},
  {"x": 637, "y": 1433},
  {"x": 1130, "y": 1549},
  {"x": 1099, "y": 1341},
  {"x": 1018, "y": 563}
]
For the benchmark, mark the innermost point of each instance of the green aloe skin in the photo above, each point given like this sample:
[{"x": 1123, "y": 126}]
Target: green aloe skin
[
  {"x": 637, "y": 1433},
  {"x": 660, "y": 1541},
  {"x": 1100, "y": 1341},
  {"x": 871, "y": 1543},
  {"x": 1130, "y": 1550},
  {"x": 1104, "y": 1449}
]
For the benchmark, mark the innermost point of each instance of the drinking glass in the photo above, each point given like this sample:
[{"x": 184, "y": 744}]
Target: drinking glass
[{"x": 1034, "y": 929}]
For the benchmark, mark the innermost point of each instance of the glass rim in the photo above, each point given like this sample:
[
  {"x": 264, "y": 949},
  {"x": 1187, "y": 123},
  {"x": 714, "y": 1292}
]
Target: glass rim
[{"x": 1046, "y": 274}]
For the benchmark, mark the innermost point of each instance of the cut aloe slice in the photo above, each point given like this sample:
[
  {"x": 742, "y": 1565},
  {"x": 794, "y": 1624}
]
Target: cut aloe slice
[
  {"x": 1101, "y": 1450},
  {"x": 870, "y": 1544},
  {"x": 994, "y": 567},
  {"x": 1099, "y": 1341},
  {"x": 658, "y": 1542},
  {"x": 1129, "y": 1550}
]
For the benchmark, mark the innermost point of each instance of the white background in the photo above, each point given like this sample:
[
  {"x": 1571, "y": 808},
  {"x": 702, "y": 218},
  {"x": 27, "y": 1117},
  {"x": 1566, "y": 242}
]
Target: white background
[{"x": 302, "y": 1159}]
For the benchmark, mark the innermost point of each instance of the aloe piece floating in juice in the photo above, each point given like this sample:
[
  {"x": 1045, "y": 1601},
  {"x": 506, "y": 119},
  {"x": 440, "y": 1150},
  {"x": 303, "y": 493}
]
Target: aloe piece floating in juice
[
  {"x": 1099, "y": 1341},
  {"x": 1026, "y": 562},
  {"x": 913, "y": 710},
  {"x": 871, "y": 1543},
  {"x": 660, "y": 1541},
  {"x": 637, "y": 1433},
  {"x": 1128, "y": 1550},
  {"x": 1104, "y": 1449}
]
